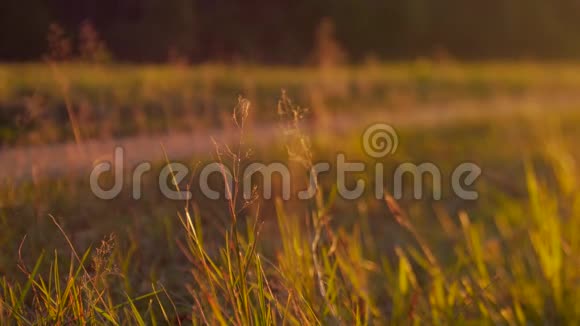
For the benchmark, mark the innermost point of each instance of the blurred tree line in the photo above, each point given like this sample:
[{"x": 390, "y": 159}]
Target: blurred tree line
[{"x": 285, "y": 31}]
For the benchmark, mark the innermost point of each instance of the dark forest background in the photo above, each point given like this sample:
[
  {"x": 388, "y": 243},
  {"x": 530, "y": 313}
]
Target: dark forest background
[{"x": 265, "y": 31}]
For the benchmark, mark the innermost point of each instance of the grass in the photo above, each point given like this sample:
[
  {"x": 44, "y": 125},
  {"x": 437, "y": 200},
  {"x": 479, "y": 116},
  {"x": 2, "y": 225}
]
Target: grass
[
  {"x": 508, "y": 258},
  {"x": 121, "y": 100}
]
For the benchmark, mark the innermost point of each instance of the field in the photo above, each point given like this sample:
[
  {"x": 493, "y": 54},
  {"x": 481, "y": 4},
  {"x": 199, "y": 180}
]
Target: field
[
  {"x": 123, "y": 100},
  {"x": 511, "y": 256}
]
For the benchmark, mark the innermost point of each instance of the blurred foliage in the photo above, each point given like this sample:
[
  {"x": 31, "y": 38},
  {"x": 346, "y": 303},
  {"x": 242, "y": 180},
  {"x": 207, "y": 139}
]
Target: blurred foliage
[
  {"x": 111, "y": 100},
  {"x": 285, "y": 31}
]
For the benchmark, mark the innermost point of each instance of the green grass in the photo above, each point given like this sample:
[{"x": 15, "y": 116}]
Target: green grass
[
  {"x": 511, "y": 260},
  {"x": 122, "y": 100},
  {"x": 508, "y": 258}
]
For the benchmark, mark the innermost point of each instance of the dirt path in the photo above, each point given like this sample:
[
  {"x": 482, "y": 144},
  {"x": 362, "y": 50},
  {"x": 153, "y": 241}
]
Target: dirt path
[{"x": 68, "y": 159}]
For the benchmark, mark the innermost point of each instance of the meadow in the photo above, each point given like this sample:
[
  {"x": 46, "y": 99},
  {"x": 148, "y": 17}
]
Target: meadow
[
  {"x": 119, "y": 100},
  {"x": 510, "y": 257}
]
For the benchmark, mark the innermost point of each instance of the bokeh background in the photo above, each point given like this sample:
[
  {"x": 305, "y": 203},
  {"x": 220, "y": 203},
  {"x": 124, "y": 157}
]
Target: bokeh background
[
  {"x": 495, "y": 83},
  {"x": 283, "y": 32}
]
